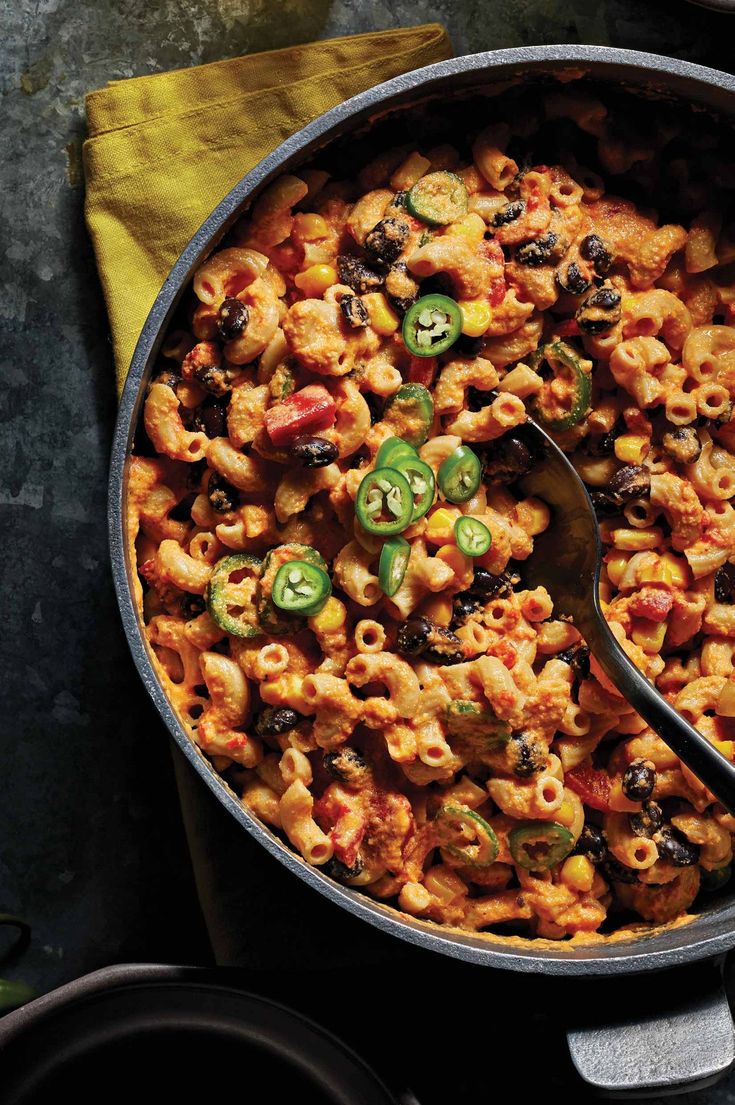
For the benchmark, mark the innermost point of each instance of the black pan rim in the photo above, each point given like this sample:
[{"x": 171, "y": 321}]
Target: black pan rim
[{"x": 667, "y": 947}]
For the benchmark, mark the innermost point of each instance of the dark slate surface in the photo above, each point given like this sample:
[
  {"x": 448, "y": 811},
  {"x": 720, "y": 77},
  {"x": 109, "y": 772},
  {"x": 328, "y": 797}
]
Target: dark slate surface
[{"x": 91, "y": 846}]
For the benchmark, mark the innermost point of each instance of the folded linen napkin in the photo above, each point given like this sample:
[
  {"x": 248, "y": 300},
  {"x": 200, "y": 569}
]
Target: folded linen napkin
[{"x": 162, "y": 151}]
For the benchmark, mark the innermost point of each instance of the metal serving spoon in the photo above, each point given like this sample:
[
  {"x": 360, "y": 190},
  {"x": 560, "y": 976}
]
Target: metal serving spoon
[{"x": 566, "y": 561}]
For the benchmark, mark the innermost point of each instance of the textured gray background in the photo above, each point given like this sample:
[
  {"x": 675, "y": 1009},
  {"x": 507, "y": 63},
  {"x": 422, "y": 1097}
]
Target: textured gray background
[{"x": 91, "y": 848}]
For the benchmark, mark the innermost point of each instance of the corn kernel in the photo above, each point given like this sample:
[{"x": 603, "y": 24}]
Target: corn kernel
[
  {"x": 330, "y": 618},
  {"x": 632, "y": 448},
  {"x": 566, "y": 813},
  {"x": 315, "y": 280},
  {"x": 637, "y": 540},
  {"x": 460, "y": 564},
  {"x": 470, "y": 226},
  {"x": 578, "y": 873},
  {"x": 439, "y": 609},
  {"x": 727, "y": 748},
  {"x": 677, "y": 569},
  {"x": 308, "y": 227},
  {"x": 649, "y": 635},
  {"x": 383, "y": 318},
  {"x": 616, "y": 563},
  {"x": 476, "y": 315},
  {"x": 440, "y": 526}
]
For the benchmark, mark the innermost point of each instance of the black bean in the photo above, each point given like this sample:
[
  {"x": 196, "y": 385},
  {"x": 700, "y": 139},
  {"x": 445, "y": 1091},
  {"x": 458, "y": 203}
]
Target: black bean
[
  {"x": 223, "y": 497},
  {"x": 232, "y": 318},
  {"x": 639, "y": 780},
  {"x": 648, "y": 820},
  {"x": 347, "y": 765},
  {"x": 386, "y": 240},
  {"x": 217, "y": 379},
  {"x": 578, "y": 659},
  {"x": 571, "y": 279},
  {"x": 509, "y": 213},
  {"x": 629, "y": 482},
  {"x": 463, "y": 604},
  {"x": 398, "y": 202},
  {"x": 419, "y": 636},
  {"x": 673, "y": 847},
  {"x": 168, "y": 377},
  {"x": 339, "y": 872},
  {"x": 356, "y": 274},
  {"x": 725, "y": 583},
  {"x": 600, "y": 311},
  {"x": 540, "y": 252},
  {"x": 192, "y": 606},
  {"x": 602, "y": 503},
  {"x": 682, "y": 444},
  {"x": 591, "y": 843},
  {"x": 526, "y": 754},
  {"x": 376, "y": 406},
  {"x": 354, "y": 311},
  {"x": 603, "y": 445},
  {"x": 275, "y": 720},
  {"x": 506, "y": 459},
  {"x": 592, "y": 248},
  {"x": 313, "y": 452},
  {"x": 488, "y": 586},
  {"x": 619, "y": 872},
  {"x": 210, "y": 418}
]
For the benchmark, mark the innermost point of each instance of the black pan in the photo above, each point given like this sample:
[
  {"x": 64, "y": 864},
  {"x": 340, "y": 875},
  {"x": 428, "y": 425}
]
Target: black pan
[{"x": 712, "y": 932}]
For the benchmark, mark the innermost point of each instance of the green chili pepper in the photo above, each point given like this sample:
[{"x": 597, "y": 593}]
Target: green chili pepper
[
  {"x": 270, "y": 618},
  {"x": 410, "y": 411},
  {"x": 384, "y": 503},
  {"x": 431, "y": 325},
  {"x": 231, "y": 594},
  {"x": 391, "y": 449},
  {"x": 438, "y": 198},
  {"x": 472, "y": 536},
  {"x": 475, "y": 731},
  {"x": 421, "y": 481},
  {"x": 460, "y": 475},
  {"x": 301, "y": 588},
  {"x": 394, "y": 557},
  {"x": 538, "y": 845},
  {"x": 466, "y": 835},
  {"x": 561, "y": 412},
  {"x": 715, "y": 879}
]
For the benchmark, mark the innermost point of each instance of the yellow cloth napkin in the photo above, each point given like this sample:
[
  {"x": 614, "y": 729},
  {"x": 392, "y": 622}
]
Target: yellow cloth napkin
[{"x": 163, "y": 150}]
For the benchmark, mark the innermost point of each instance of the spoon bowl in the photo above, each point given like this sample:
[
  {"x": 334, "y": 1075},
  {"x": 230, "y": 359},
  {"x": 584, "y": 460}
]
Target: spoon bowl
[{"x": 566, "y": 560}]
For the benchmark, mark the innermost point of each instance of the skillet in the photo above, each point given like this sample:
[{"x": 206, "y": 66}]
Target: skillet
[{"x": 712, "y": 932}]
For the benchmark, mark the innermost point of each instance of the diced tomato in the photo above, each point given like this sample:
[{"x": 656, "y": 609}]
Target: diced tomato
[
  {"x": 567, "y": 329},
  {"x": 421, "y": 370},
  {"x": 496, "y": 291},
  {"x": 653, "y": 603},
  {"x": 592, "y": 784},
  {"x": 310, "y": 409}
]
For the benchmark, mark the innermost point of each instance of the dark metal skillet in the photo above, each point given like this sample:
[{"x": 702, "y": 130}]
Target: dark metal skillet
[
  {"x": 566, "y": 560},
  {"x": 698, "y": 1032}
]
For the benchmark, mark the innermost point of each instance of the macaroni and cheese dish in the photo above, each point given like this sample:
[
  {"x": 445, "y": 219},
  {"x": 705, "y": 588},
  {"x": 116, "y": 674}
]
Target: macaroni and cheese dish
[{"x": 326, "y": 515}]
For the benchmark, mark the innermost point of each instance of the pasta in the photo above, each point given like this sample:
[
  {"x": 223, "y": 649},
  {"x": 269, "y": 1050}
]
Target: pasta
[{"x": 330, "y": 536}]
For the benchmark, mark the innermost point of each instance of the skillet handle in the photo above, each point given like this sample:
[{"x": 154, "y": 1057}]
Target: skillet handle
[{"x": 654, "y": 1034}]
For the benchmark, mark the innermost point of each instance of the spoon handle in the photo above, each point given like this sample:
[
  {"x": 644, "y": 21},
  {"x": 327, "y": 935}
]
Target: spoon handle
[{"x": 692, "y": 748}]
